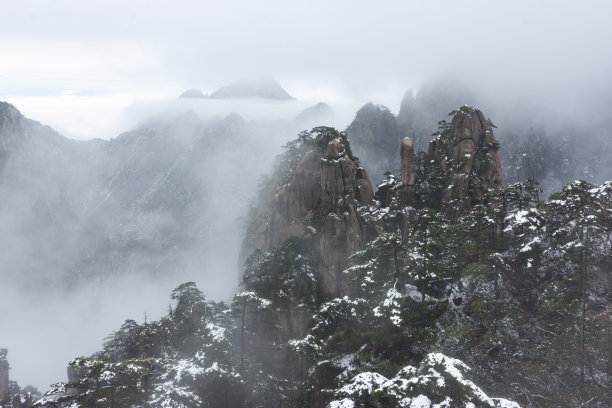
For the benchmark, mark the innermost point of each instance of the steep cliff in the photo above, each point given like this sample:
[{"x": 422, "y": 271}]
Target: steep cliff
[
  {"x": 408, "y": 171},
  {"x": 343, "y": 188},
  {"x": 467, "y": 153},
  {"x": 317, "y": 187}
]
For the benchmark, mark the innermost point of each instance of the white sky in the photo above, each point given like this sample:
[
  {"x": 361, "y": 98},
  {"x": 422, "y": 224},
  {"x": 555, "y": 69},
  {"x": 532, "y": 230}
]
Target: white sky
[{"x": 75, "y": 65}]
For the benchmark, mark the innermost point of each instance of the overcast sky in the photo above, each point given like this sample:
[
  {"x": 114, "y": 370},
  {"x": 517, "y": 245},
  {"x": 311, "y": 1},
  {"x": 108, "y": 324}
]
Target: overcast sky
[{"x": 76, "y": 65}]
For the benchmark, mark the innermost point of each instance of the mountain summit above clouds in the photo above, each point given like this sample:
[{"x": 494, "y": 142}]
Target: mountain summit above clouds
[
  {"x": 263, "y": 87},
  {"x": 266, "y": 88}
]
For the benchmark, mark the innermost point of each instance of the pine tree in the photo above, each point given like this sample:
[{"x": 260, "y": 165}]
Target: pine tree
[{"x": 426, "y": 233}]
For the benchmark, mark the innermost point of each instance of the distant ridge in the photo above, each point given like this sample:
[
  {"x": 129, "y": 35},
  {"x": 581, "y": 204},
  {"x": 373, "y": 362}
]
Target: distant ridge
[
  {"x": 317, "y": 112},
  {"x": 192, "y": 93},
  {"x": 265, "y": 88}
]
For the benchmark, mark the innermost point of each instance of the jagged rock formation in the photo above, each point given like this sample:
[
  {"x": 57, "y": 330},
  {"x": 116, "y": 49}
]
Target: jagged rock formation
[
  {"x": 543, "y": 151},
  {"x": 467, "y": 153},
  {"x": 342, "y": 189},
  {"x": 321, "y": 191},
  {"x": 408, "y": 171},
  {"x": 322, "y": 187},
  {"x": 283, "y": 206},
  {"x": 407, "y": 157}
]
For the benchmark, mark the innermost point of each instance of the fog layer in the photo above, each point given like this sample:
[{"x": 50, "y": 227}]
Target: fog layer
[{"x": 96, "y": 232}]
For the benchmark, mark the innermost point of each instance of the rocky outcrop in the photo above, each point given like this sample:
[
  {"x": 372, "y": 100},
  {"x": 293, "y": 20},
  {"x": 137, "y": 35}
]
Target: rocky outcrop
[
  {"x": 408, "y": 190},
  {"x": 284, "y": 205},
  {"x": 324, "y": 188},
  {"x": 74, "y": 373},
  {"x": 407, "y": 157},
  {"x": 467, "y": 153},
  {"x": 364, "y": 193},
  {"x": 342, "y": 189},
  {"x": 322, "y": 192}
]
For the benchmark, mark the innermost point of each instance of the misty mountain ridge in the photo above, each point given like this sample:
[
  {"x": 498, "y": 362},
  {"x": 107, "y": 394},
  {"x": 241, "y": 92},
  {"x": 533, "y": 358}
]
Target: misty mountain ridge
[
  {"x": 264, "y": 87},
  {"x": 164, "y": 200},
  {"x": 134, "y": 194},
  {"x": 355, "y": 297},
  {"x": 153, "y": 206},
  {"x": 158, "y": 168},
  {"x": 533, "y": 145},
  {"x": 161, "y": 201}
]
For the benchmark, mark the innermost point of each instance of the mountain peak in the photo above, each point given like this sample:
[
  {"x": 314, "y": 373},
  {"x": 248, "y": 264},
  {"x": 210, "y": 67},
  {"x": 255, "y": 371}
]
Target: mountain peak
[
  {"x": 192, "y": 93},
  {"x": 264, "y": 87},
  {"x": 15, "y": 129},
  {"x": 11, "y": 120}
]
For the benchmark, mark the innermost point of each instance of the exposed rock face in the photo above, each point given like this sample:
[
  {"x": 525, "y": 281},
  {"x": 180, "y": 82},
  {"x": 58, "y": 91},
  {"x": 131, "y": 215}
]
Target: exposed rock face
[
  {"x": 375, "y": 138},
  {"x": 327, "y": 186},
  {"x": 341, "y": 233},
  {"x": 74, "y": 374},
  {"x": 282, "y": 208},
  {"x": 324, "y": 191},
  {"x": 365, "y": 194},
  {"x": 4, "y": 374},
  {"x": 468, "y": 153},
  {"x": 408, "y": 171},
  {"x": 407, "y": 156}
]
